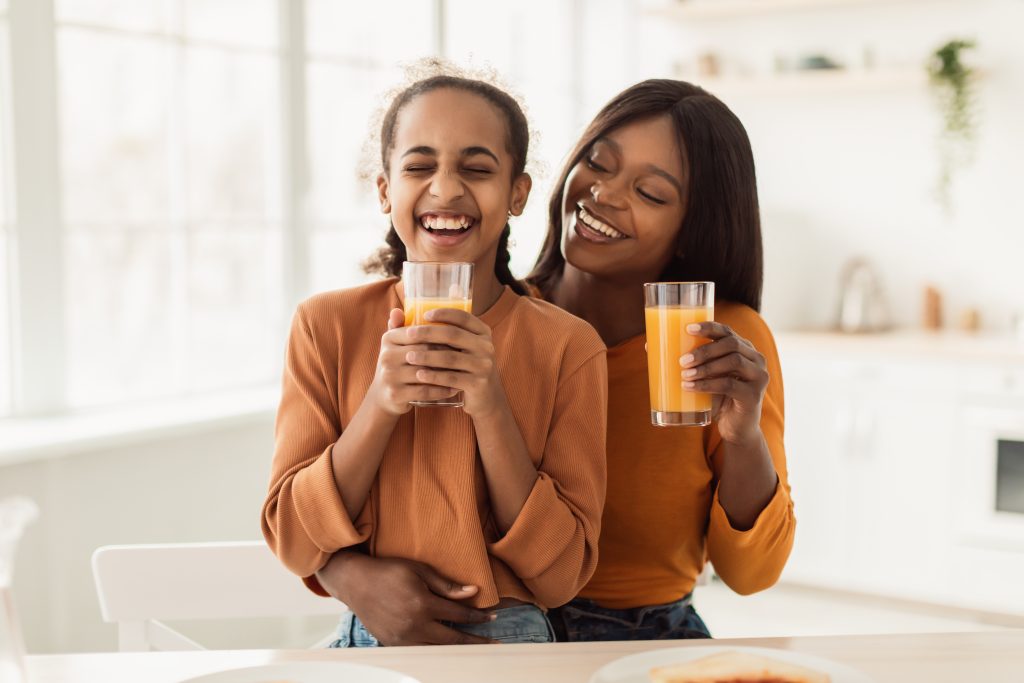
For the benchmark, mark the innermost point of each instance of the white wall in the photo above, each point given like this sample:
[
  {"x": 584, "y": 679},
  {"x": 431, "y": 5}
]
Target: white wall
[
  {"x": 204, "y": 487},
  {"x": 843, "y": 173}
]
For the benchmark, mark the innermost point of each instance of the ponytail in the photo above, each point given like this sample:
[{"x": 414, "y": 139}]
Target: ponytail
[{"x": 501, "y": 261}]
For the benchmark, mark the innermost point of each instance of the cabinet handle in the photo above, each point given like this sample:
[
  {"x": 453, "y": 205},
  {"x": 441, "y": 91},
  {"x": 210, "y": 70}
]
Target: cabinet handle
[
  {"x": 845, "y": 421},
  {"x": 865, "y": 433}
]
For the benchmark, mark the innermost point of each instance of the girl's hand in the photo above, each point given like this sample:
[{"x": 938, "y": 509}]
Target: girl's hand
[
  {"x": 395, "y": 384},
  {"x": 733, "y": 371},
  {"x": 467, "y": 365}
]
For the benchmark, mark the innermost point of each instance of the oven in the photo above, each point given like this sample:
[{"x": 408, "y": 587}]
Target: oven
[{"x": 989, "y": 487}]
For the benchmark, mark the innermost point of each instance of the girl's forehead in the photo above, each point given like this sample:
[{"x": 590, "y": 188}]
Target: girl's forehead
[{"x": 449, "y": 117}]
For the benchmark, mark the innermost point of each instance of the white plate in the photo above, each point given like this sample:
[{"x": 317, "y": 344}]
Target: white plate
[
  {"x": 635, "y": 668},
  {"x": 306, "y": 672}
]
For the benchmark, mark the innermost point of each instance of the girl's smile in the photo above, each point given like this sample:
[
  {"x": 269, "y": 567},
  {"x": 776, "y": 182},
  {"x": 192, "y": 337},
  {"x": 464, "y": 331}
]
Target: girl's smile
[{"x": 447, "y": 228}]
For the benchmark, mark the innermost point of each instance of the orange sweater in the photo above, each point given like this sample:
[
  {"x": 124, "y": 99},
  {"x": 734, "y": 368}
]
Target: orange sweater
[
  {"x": 429, "y": 501},
  {"x": 662, "y": 516}
]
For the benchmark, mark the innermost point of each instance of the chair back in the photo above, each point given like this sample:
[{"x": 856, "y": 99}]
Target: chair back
[{"x": 141, "y": 586}]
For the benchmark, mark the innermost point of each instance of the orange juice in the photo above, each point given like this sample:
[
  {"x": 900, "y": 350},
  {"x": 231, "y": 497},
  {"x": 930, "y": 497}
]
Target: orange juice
[
  {"x": 416, "y": 308},
  {"x": 667, "y": 342}
]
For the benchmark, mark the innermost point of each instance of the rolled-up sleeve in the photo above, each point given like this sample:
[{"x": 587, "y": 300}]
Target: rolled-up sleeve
[
  {"x": 304, "y": 519},
  {"x": 552, "y": 545},
  {"x": 752, "y": 560}
]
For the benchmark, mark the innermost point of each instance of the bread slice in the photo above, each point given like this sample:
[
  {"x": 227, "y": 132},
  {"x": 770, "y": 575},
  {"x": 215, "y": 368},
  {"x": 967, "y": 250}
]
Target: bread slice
[{"x": 736, "y": 667}]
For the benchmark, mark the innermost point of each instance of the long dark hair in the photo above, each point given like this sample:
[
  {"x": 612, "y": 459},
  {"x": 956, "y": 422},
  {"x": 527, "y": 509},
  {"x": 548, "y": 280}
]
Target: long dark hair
[
  {"x": 720, "y": 238},
  {"x": 388, "y": 260}
]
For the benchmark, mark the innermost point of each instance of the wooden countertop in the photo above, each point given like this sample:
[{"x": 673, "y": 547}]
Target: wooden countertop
[{"x": 993, "y": 657}]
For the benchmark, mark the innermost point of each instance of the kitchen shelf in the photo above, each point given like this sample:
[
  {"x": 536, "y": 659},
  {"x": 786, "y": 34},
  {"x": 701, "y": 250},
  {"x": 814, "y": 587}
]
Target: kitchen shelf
[
  {"x": 816, "y": 81},
  {"x": 726, "y": 9}
]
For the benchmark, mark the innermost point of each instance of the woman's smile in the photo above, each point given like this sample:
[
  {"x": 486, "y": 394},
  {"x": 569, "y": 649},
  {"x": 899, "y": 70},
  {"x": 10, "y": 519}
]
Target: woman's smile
[{"x": 595, "y": 228}]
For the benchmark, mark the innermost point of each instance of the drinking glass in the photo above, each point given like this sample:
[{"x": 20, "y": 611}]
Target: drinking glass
[
  {"x": 668, "y": 308},
  {"x": 429, "y": 285}
]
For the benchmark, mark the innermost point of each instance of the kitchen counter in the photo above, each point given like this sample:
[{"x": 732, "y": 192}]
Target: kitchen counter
[
  {"x": 910, "y": 344},
  {"x": 993, "y": 657}
]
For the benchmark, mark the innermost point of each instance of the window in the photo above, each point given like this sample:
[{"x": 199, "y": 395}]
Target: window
[
  {"x": 191, "y": 191},
  {"x": 171, "y": 174},
  {"x": 354, "y": 55},
  {"x": 543, "y": 78}
]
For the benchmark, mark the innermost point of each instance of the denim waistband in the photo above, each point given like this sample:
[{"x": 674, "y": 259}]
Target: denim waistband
[
  {"x": 634, "y": 614},
  {"x": 584, "y": 620}
]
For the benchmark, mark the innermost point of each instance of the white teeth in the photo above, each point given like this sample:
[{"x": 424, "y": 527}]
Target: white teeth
[
  {"x": 599, "y": 226},
  {"x": 446, "y": 222}
]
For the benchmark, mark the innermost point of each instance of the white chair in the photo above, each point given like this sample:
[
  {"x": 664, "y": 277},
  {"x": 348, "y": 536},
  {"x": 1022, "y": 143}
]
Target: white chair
[{"x": 141, "y": 585}]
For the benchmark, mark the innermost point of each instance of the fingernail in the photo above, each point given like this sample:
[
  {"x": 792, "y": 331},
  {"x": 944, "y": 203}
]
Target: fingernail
[
  {"x": 467, "y": 588},
  {"x": 687, "y": 359},
  {"x": 492, "y": 617},
  {"x": 693, "y": 327},
  {"x": 690, "y": 373},
  {"x": 429, "y": 315},
  {"x": 689, "y": 385}
]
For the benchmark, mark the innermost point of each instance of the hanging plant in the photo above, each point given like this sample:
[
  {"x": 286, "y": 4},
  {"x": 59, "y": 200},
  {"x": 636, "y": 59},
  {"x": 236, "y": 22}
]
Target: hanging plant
[{"x": 953, "y": 84}]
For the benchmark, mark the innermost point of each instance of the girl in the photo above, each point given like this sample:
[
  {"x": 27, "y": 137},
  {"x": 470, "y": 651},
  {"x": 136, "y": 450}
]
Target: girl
[
  {"x": 504, "y": 495},
  {"x": 660, "y": 187}
]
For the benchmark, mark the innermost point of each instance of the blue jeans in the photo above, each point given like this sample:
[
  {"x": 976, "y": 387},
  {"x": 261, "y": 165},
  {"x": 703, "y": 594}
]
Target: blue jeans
[
  {"x": 520, "y": 624},
  {"x": 585, "y": 620}
]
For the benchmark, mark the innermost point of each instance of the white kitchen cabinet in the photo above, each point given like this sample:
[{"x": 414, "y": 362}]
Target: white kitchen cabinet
[
  {"x": 877, "y": 449},
  {"x": 819, "y": 415}
]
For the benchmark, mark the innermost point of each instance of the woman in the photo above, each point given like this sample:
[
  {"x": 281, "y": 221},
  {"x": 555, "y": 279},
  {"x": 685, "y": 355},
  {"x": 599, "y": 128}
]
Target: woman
[{"x": 661, "y": 187}]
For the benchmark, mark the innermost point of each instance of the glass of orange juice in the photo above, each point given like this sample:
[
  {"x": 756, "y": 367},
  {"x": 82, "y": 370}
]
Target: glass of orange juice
[
  {"x": 668, "y": 308},
  {"x": 433, "y": 284}
]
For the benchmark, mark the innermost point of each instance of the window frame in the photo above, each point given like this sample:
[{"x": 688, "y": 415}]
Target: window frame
[
  {"x": 35, "y": 231},
  {"x": 6, "y": 224}
]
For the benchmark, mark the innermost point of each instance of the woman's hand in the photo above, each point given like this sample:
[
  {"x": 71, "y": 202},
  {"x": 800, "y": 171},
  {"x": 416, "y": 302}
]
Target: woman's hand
[
  {"x": 401, "y": 602},
  {"x": 733, "y": 371},
  {"x": 467, "y": 364},
  {"x": 395, "y": 383}
]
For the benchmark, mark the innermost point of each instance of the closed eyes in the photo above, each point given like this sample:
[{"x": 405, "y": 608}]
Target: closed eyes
[
  {"x": 427, "y": 169},
  {"x": 650, "y": 197}
]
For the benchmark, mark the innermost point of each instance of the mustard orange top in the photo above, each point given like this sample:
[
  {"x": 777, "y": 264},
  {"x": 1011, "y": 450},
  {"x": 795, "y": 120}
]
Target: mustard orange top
[
  {"x": 429, "y": 501},
  {"x": 662, "y": 516}
]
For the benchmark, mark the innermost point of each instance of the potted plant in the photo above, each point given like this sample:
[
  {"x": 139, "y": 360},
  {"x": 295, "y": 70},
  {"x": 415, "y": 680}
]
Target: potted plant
[{"x": 953, "y": 85}]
